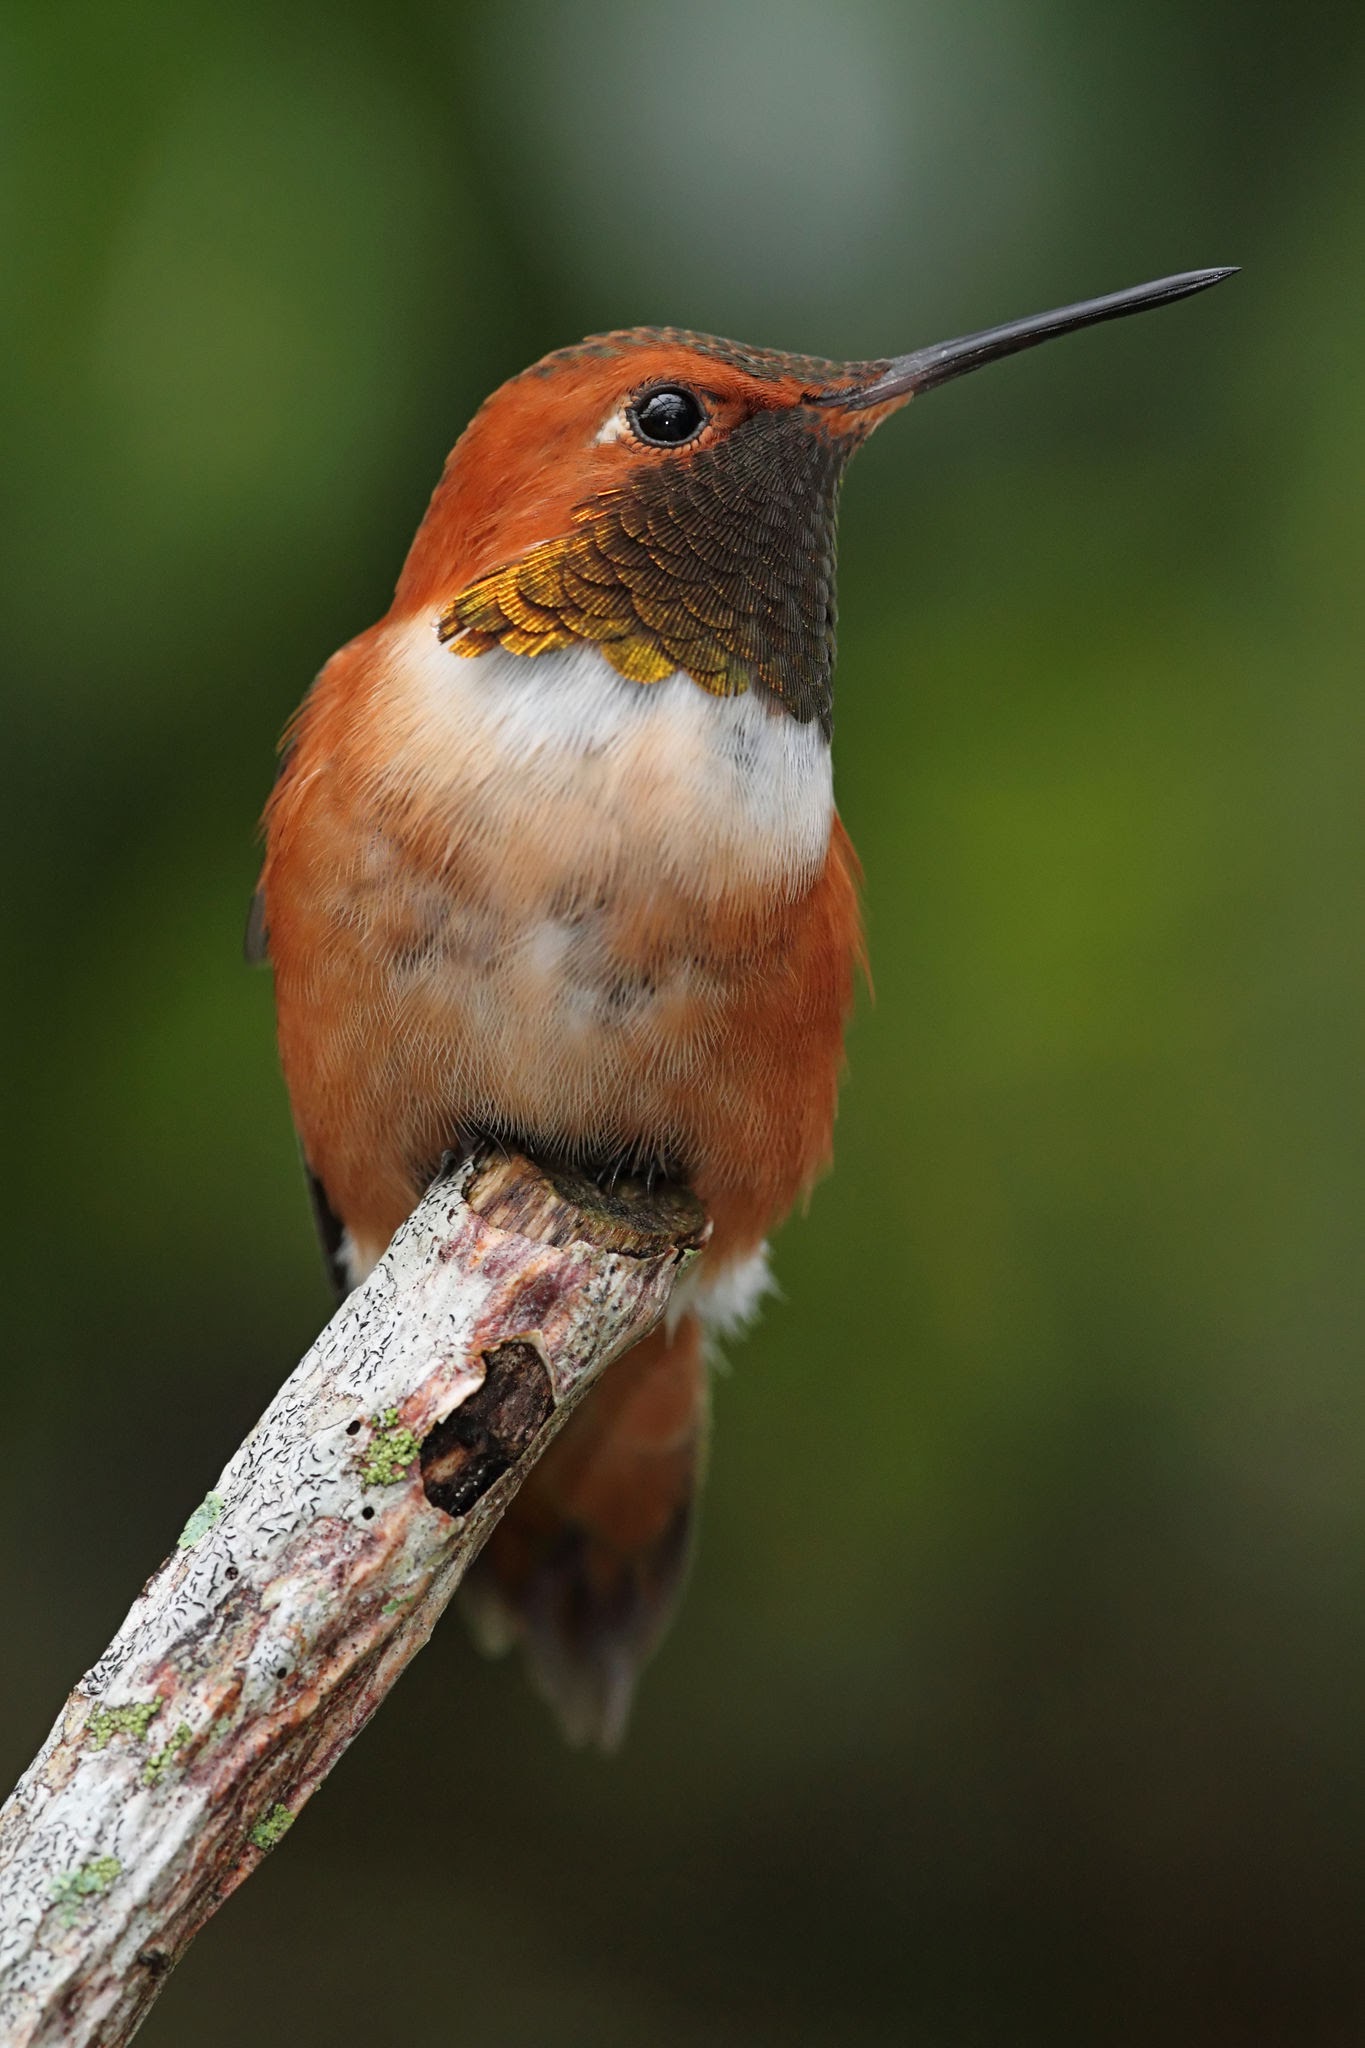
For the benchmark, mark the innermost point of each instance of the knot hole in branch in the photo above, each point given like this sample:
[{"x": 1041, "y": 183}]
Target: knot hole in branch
[{"x": 485, "y": 1435}]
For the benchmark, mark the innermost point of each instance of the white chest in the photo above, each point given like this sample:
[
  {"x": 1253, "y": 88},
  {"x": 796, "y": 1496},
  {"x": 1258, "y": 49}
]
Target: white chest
[{"x": 555, "y": 771}]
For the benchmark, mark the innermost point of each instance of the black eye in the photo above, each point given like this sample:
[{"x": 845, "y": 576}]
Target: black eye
[{"x": 667, "y": 416}]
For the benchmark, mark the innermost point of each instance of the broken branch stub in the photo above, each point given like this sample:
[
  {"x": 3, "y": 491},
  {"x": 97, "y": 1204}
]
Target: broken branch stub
[{"x": 310, "y": 1575}]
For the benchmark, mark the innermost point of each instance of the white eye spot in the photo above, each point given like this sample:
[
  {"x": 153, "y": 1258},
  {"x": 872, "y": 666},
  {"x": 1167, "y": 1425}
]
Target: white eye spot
[{"x": 615, "y": 427}]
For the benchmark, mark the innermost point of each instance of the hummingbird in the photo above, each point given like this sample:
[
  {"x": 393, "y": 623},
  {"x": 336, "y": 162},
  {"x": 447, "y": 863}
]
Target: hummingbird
[{"x": 553, "y": 860}]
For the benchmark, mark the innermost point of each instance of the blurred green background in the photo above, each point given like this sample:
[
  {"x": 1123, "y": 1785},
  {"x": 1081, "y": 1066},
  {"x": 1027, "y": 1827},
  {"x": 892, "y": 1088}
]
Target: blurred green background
[{"x": 1018, "y": 1694}]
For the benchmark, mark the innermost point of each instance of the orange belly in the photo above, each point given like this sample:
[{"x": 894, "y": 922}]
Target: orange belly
[{"x": 435, "y": 981}]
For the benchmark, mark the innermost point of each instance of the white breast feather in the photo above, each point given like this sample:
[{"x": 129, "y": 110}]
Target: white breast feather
[{"x": 560, "y": 755}]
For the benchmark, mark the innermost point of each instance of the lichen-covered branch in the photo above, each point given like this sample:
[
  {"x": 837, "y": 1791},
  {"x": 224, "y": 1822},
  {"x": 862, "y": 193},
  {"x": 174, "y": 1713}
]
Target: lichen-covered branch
[{"x": 311, "y": 1573}]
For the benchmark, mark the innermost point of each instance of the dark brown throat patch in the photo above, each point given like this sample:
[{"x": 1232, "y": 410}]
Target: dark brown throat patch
[{"x": 720, "y": 563}]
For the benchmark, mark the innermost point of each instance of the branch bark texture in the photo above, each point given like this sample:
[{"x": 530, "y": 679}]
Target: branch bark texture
[{"x": 310, "y": 1575}]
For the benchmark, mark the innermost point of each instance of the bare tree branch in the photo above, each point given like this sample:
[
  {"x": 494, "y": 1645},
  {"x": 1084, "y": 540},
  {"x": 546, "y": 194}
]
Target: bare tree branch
[{"x": 310, "y": 1575}]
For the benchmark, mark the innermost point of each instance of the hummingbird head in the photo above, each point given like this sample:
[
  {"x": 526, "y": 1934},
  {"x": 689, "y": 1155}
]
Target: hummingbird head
[{"x": 670, "y": 498}]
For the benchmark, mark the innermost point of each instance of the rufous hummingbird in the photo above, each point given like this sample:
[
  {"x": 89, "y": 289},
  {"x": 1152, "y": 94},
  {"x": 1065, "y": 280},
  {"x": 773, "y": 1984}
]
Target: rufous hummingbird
[{"x": 553, "y": 858}]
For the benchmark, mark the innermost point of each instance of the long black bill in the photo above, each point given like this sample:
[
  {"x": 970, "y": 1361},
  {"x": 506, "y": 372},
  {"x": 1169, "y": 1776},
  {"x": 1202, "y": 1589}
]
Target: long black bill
[{"x": 904, "y": 376}]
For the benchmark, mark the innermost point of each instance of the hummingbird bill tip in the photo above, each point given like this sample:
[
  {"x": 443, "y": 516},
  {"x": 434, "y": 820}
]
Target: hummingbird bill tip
[{"x": 906, "y": 376}]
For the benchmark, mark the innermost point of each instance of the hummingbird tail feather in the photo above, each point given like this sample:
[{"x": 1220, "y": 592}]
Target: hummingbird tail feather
[{"x": 585, "y": 1568}]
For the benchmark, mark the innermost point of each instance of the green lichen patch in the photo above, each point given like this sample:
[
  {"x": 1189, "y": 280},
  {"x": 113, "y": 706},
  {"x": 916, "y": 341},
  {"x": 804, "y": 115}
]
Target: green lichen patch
[
  {"x": 107, "y": 1722},
  {"x": 75, "y": 1888},
  {"x": 392, "y": 1449},
  {"x": 271, "y": 1828},
  {"x": 156, "y": 1767},
  {"x": 208, "y": 1512}
]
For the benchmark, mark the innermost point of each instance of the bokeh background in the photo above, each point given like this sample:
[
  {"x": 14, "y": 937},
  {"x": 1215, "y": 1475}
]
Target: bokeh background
[{"x": 1018, "y": 1695}]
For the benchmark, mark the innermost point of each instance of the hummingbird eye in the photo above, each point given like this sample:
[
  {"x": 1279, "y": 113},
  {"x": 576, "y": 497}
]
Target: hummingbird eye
[{"x": 667, "y": 416}]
